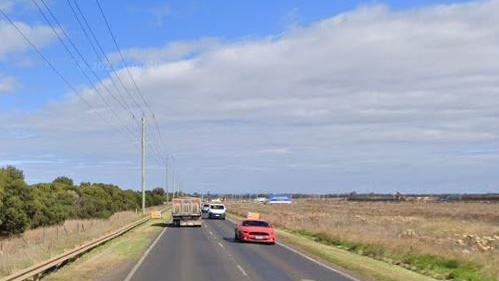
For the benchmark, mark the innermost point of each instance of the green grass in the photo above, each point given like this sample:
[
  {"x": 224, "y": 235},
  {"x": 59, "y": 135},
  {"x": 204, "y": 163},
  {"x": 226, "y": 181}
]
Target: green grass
[
  {"x": 438, "y": 267},
  {"x": 113, "y": 259},
  {"x": 361, "y": 266}
]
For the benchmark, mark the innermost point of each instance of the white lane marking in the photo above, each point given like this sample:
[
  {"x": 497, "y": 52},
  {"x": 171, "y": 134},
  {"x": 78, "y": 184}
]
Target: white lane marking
[
  {"x": 307, "y": 280},
  {"x": 226, "y": 250},
  {"x": 139, "y": 263},
  {"x": 211, "y": 232},
  {"x": 316, "y": 261},
  {"x": 308, "y": 258},
  {"x": 242, "y": 270}
]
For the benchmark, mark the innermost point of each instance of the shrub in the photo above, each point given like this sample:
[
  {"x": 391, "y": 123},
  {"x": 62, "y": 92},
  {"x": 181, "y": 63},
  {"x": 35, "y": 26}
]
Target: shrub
[{"x": 23, "y": 206}]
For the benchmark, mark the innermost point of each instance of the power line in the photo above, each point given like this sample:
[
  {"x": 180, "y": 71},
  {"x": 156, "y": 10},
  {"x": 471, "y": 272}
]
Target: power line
[
  {"x": 43, "y": 57},
  {"x": 130, "y": 74},
  {"x": 100, "y": 53},
  {"x": 53, "y": 67},
  {"x": 75, "y": 60},
  {"x": 47, "y": 61},
  {"x": 98, "y": 56},
  {"x": 124, "y": 105},
  {"x": 79, "y": 12}
]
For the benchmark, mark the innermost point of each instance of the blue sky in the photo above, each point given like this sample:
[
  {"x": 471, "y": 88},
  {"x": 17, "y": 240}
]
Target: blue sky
[
  {"x": 267, "y": 96},
  {"x": 143, "y": 24}
]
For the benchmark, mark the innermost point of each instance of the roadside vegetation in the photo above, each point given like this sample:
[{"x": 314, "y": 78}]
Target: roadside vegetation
[
  {"x": 43, "y": 220},
  {"x": 25, "y": 207},
  {"x": 447, "y": 241},
  {"x": 40, "y": 244},
  {"x": 120, "y": 254}
]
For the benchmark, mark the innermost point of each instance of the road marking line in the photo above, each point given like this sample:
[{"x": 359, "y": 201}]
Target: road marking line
[
  {"x": 220, "y": 244},
  {"x": 242, "y": 270},
  {"x": 308, "y": 258},
  {"x": 139, "y": 263},
  {"x": 316, "y": 261}
]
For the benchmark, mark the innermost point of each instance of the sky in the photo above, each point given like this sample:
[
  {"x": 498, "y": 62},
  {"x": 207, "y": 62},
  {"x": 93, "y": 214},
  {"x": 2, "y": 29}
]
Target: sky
[{"x": 256, "y": 96}]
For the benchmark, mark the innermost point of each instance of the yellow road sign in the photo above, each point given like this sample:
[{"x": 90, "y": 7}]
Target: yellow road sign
[
  {"x": 253, "y": 216},
  {"x": 155, "y": 214}
]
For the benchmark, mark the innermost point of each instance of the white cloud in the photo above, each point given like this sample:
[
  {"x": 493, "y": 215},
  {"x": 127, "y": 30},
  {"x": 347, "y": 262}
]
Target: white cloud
[
  {"x": 12, "y": 41},
  {"x": 7, "y": 84},
  {"x": 171, "y": 52},
  {"x": 382, "y": 98}
]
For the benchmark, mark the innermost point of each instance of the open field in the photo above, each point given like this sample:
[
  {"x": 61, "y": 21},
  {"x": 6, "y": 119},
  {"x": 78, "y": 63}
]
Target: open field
[
  {"x": 40, "y": 244},
  {"x": 456, "y": 241}
]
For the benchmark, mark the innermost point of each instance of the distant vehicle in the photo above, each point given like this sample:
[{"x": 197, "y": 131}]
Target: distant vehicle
[
  {"x": 216, "y": 211},
  {"x": 205, "y": 207},
  {"x": 261, "y": 200},
  {"x": 255, "y": 231},
  {"x": 280, "y": 199},
  {"x": 186, "y": 211}
]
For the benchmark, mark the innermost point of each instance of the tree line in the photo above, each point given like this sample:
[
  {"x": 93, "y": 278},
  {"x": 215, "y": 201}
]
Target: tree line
[{"x": 24, "y": 206}]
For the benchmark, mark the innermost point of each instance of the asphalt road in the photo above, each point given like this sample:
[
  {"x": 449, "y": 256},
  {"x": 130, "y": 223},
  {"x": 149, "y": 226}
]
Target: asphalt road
[{"x": 210, "y": 253}]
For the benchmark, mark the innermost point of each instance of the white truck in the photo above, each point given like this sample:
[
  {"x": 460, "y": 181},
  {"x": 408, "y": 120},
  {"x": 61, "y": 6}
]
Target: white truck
[{"x": 186, "y": 211}]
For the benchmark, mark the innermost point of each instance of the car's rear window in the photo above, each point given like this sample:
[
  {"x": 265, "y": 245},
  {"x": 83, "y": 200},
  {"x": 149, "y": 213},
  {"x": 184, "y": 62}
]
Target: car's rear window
[
  {"x": 217, "y": 207},
  {"x": 255, "y": 223}
]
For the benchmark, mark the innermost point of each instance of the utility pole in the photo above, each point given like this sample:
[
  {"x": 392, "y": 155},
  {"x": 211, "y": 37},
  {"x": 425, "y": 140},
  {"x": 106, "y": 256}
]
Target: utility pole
[
  {"x": 143, "y": 165},
  {"x": 174, "y": 187},
  {"x": 166, "y": 179}
]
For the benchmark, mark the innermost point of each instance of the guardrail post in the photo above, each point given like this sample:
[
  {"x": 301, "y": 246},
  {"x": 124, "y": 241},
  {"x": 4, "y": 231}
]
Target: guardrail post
[{"x": 36, "y": 277}]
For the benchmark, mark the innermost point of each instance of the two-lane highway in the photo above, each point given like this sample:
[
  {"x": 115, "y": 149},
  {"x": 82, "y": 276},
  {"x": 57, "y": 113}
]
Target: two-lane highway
[{"x": 210, "y": 253}]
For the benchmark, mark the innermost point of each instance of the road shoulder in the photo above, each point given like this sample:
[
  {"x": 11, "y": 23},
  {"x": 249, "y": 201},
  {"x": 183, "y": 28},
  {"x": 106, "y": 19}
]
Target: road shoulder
[{"x": 113, "y": 260}]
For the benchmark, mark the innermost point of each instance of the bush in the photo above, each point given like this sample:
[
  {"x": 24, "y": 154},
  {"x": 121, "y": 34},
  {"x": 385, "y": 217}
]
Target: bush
[
  {"x": 23, "y": 206},
  {"x": 16, "y": 203}
]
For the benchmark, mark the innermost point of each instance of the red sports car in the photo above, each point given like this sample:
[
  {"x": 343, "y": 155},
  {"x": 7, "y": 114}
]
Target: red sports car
[{"x": 255, "y": 231}]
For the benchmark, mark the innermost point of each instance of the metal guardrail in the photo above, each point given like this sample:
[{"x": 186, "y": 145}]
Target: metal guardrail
[{"x": 37, "y": 270}]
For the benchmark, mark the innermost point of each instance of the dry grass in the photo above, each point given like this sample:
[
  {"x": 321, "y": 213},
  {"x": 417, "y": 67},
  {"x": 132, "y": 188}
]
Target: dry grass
[
  {"x": 113, "y": 260},
  {"x": 39, "y": 244},
  {"x": 467, "y": 232}
]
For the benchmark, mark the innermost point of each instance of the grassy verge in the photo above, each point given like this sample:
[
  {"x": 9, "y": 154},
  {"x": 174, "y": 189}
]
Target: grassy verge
[
  {"x": 437, "y": 267},
  {"x": 362, "y": 266},
  {"x": 37, "y": 245},
  {"x": 366, "y": 267},
  {"x": 113, "y": 260}
]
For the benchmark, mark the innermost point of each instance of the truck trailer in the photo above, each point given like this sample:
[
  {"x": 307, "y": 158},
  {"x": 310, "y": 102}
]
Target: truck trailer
[{"x": 186, "y": 211}]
